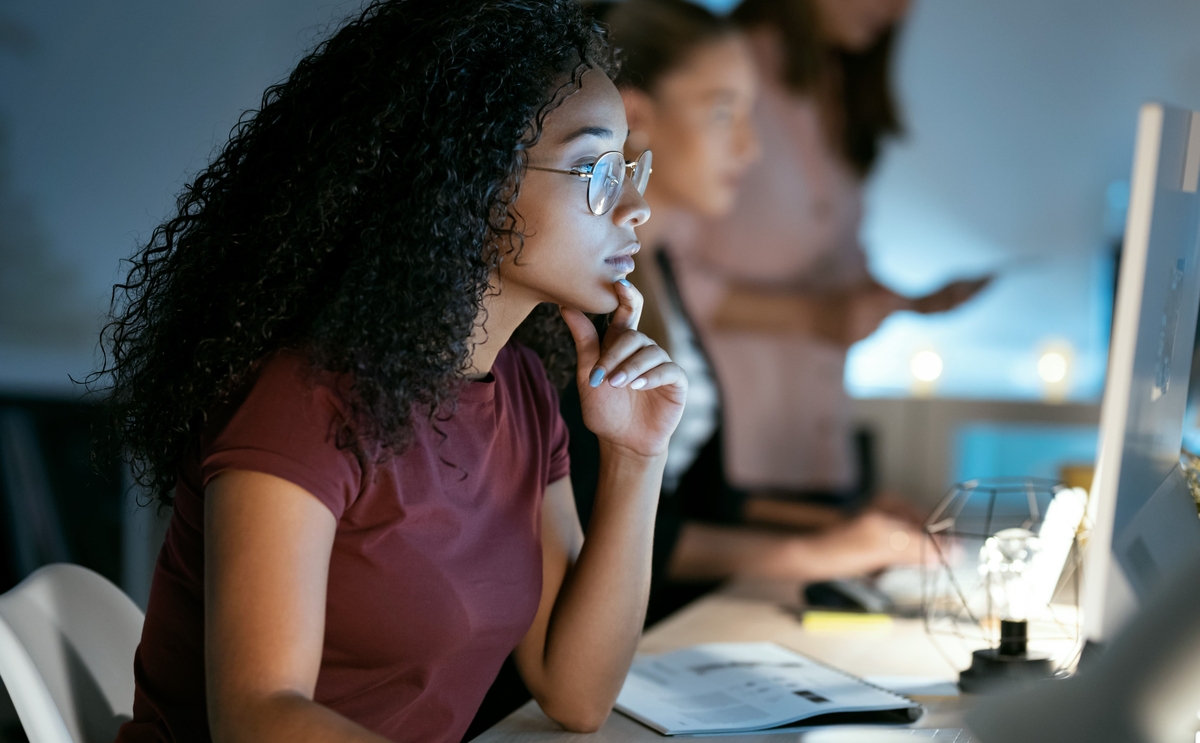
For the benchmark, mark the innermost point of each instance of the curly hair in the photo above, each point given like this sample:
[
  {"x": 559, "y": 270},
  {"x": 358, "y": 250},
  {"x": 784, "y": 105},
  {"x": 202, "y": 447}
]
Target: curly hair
[{"x": 356, "y": 216}]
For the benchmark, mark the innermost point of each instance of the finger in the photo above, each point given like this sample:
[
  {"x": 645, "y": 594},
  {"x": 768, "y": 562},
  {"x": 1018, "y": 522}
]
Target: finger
[
  {"x": 618, "y": 346},
  {"x": 587, "y": 340},
  {"x": 664, "y": 375},
  {"x": 629, "y": 309},
  {"x": 643, "y": 360}
]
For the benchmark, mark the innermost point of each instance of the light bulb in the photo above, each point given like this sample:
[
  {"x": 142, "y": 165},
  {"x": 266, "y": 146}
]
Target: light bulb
[
  {"x": 1052, "y": 367},
  {"x": 1005, "y": 560},
  {"x": 926, "y": 366}
]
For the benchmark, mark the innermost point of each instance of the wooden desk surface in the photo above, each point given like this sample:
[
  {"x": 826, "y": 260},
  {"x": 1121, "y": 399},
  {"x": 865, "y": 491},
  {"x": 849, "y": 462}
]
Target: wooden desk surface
[{"x": 752, "y": 612}]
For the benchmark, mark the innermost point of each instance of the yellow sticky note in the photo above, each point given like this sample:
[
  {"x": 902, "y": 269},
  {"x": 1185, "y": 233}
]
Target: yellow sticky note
[{"x": 845, "y": 621}]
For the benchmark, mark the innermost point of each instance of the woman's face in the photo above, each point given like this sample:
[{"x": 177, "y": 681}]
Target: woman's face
[
  {"x": 698, "y": 123},
  {"x": 572, "y": 257},
  {"x": 855, "y": 25}
]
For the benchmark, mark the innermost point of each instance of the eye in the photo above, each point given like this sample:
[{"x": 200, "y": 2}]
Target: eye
[{"x": 722, "y": 114}]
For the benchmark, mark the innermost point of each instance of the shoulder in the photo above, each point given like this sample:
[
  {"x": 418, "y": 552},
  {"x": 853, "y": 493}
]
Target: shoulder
[
  {"x": 290, "y": 422},
  {"x": 289, "y": 377},
  {"x": 287, "y": 391}
]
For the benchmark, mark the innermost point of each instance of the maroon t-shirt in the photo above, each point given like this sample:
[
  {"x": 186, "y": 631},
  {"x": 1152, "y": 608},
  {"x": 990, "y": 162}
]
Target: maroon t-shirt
[{"x": 436, "y": 569}]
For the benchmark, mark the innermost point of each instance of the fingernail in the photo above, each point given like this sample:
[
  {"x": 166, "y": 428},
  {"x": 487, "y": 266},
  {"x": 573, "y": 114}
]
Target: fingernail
[
  {"x": 597, "y": 377},
  {"x": 625, "y": 283},
  {"x": 618, "y": 379},
  {"x": 638, "y": 384}
]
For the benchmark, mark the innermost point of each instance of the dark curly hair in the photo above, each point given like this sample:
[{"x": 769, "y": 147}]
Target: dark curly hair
[{"x": 356, "y": 216}]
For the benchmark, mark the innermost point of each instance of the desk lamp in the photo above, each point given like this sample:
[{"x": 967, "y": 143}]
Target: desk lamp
[
  {"x": 1144, "y": 687},
  {"x": 1006, "y": 560},
  {"x": 1022, "y": 530}
]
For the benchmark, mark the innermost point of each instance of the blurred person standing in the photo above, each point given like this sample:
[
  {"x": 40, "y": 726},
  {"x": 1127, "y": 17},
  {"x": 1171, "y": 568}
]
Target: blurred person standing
[{"x": 780, "y": 287}]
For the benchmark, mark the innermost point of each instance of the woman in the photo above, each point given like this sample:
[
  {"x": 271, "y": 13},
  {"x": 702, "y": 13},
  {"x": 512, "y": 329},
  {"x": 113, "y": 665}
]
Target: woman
[
  {"x": 780, "y": 287},
  {"x": 317, "y": 357}
]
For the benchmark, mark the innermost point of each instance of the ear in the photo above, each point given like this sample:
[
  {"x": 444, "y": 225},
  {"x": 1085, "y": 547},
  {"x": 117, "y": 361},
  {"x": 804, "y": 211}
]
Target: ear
[{"x": 639, "y": 113}]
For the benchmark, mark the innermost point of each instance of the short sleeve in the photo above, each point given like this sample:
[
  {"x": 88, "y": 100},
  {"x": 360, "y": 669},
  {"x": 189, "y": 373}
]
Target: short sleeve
[
  {"x": 287, "y": 426},
  {"x": 560, "y": 458}
]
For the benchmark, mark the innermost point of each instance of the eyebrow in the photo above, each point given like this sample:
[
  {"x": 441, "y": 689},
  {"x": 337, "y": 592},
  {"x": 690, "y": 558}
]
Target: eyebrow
[{"x": 588, "y": 131}]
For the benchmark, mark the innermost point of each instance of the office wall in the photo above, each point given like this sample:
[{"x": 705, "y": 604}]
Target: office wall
[
  {"x": 1020, "y": 116},
  {"x": 105, "y": 108},
  {"x": 919, "y": 443}
]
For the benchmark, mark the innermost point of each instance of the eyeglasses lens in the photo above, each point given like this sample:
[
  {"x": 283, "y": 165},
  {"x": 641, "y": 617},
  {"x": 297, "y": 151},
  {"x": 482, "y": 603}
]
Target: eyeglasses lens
[
  {"x": 604, "y": 188},
  {"x": 642, "y": 170}
]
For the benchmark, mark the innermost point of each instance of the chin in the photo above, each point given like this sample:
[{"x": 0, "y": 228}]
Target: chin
[
  {"x": 604, "y": 307},
  {"x": 597, "y": 303}
]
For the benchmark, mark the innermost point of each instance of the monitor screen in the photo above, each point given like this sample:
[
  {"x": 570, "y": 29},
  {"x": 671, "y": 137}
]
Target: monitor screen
[{"x": 1144, "y": 517}]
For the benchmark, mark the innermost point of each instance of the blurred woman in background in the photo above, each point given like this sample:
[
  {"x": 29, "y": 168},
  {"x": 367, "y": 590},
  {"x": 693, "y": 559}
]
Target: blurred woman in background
[{"x": 779, "y": 286}]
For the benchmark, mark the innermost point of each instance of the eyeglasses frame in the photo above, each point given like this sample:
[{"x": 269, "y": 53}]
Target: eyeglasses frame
[{"x": 586, "y": 175}]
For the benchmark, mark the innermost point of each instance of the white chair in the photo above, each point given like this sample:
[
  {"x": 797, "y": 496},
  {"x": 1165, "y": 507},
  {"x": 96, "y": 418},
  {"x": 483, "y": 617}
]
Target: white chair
[{"x": 67, "y": 638}]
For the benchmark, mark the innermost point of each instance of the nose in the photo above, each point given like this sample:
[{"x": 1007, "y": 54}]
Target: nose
[{"x": 631, "y": 209}]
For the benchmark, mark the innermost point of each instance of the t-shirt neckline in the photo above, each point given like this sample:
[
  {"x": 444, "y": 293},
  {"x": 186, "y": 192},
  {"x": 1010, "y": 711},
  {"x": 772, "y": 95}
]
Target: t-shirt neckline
[{"x": 478, "y": 390}]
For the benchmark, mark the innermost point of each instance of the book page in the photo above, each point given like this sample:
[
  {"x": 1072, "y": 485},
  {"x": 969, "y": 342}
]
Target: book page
[{"x": 728, "y": 687}]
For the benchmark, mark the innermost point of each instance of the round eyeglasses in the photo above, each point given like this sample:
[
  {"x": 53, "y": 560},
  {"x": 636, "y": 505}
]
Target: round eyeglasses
[{"x": 606, "y": 177}]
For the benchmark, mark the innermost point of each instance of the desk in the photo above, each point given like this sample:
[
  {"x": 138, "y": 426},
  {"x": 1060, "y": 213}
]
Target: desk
[{"x": 758, "y": 611}]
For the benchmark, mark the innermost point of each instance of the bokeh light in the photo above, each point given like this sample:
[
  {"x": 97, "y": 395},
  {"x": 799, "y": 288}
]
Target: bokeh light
[{"x": 926, "y": 366}]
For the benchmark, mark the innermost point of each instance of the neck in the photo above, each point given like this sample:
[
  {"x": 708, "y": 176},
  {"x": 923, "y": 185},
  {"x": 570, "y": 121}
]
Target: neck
[{"x": 502, "y": 313}]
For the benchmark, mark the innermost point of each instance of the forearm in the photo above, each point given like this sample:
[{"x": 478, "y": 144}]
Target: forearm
[
  {"x": 867, "y": 543},
  {"x": 286, "y": 717},
  {"x": 600, "y": 610},
  {"x": 842, "y": 317},
  {"x": 768, "y": 311},
  {"x": 711, "y": 552}
]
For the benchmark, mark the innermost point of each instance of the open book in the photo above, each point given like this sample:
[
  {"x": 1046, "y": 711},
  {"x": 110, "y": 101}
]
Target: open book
[{"x": 738, "y": 687}]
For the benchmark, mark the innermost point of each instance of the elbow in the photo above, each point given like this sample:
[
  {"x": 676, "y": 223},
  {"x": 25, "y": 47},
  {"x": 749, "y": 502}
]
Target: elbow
[{"x": 578, "y": 718}]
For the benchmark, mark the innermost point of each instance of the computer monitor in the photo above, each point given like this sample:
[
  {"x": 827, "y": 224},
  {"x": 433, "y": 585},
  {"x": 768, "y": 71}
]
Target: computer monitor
[{"x": 1145, "y": 519}]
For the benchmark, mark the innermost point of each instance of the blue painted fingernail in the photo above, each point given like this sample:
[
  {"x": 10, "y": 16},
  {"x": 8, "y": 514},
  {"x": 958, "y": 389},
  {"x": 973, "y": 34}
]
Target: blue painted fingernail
[
  {"x": 616, "y": 379},
  {"x": 626, "y": 284},
  {"x": 597, "y": 377}
]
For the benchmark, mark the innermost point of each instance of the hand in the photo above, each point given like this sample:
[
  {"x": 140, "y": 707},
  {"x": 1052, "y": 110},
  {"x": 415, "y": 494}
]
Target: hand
[
  {"x": 631, "y": 392},
  {"x": 872, "y": 541},
  {"x": 949, "y": 296}
]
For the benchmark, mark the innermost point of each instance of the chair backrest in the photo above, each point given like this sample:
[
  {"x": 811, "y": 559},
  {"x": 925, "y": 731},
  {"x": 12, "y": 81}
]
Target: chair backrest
[{"x": 67, "y": 639}]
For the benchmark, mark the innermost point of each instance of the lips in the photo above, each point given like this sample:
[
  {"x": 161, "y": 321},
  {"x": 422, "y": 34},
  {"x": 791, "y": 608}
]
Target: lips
[
  {"x": 622, "y": 260},
  {"x": 623, "y": 263}
]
